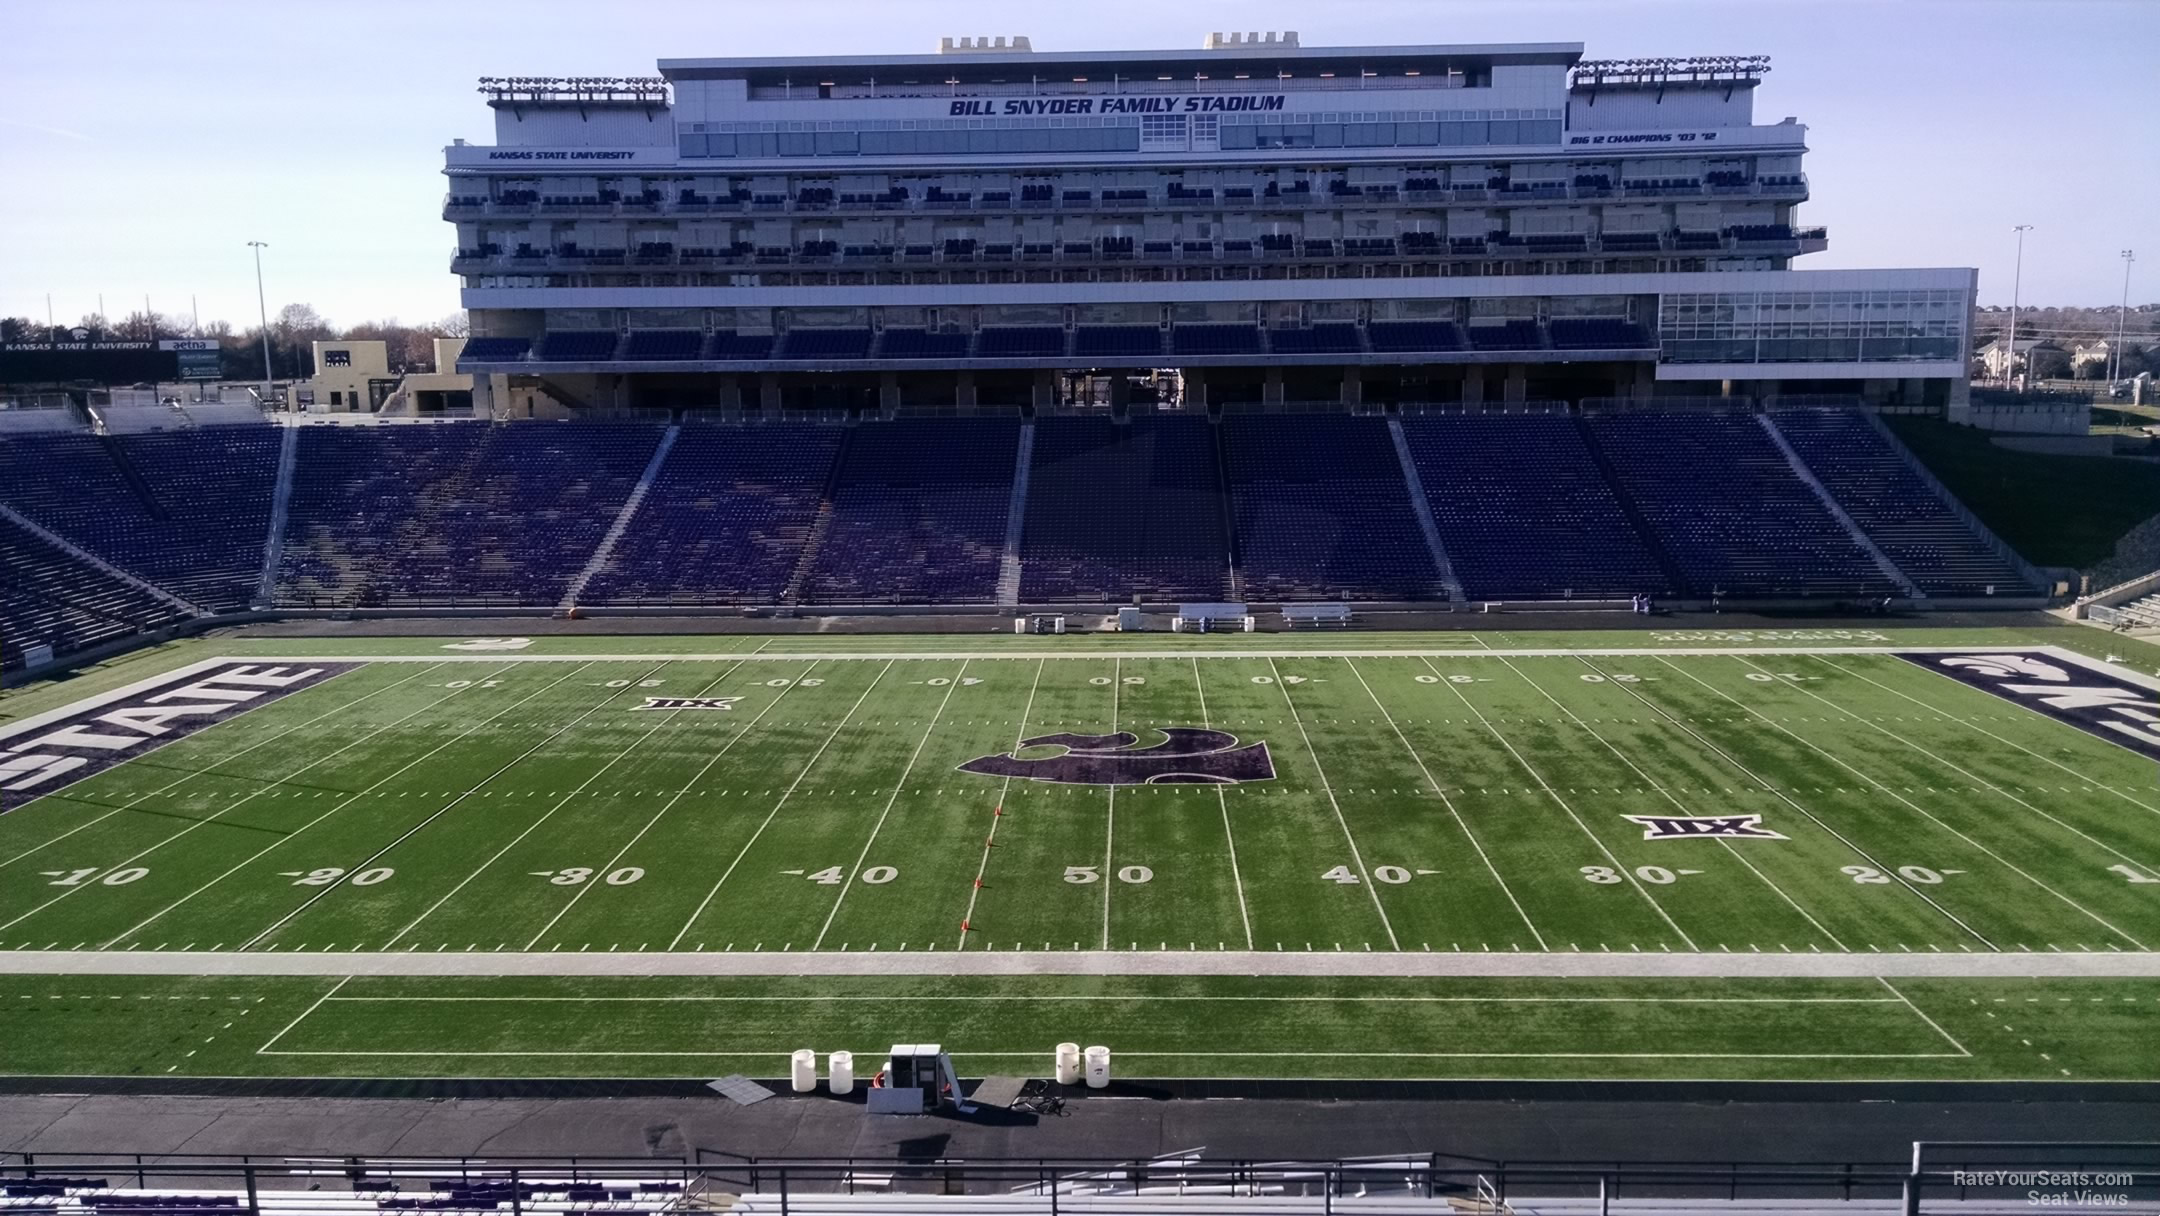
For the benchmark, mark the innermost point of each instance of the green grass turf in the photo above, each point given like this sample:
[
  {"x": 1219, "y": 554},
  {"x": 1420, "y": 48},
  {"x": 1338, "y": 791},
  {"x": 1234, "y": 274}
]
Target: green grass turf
[
  {"x": 2084, "y": 1030},
  {"x": 1472, "y": 802},
  {"x": 2055, "y": 510}
]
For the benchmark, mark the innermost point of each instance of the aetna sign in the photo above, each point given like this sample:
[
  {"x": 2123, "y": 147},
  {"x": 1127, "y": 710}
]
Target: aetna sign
[{"x": 54, "y": 751}]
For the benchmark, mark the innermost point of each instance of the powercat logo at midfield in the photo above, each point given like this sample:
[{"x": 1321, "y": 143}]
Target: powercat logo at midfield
[
  {"x": 2096, "y": 702},
  {"x": 1187, "y": 755},
  {"x": 41, "y": 756}
]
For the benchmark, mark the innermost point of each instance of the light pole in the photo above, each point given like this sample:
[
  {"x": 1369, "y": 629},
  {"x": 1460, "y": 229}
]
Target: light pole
[
  {"x": 2122, "y": 320},
  {"x": 262, "y": 310},
  {"x": 2017, "y": 280}
]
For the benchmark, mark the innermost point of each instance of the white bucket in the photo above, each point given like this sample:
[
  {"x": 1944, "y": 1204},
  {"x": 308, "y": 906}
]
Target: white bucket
[
  {"x": 1098, "y": 1067},
  {"x": 805, "y": 1071},
  {"x": 841, "y": 1072},
  {"x": 1068, "y": 1064}
]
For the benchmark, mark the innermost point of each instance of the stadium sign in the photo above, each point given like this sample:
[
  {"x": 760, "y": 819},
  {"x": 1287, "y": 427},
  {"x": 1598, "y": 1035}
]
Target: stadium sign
[
  {"x": 83, "y": 740},
  {"x": 2095, "y": 701},
  {"x": 1187, "y": 755},
  {"x": 1016, "y": 107}
]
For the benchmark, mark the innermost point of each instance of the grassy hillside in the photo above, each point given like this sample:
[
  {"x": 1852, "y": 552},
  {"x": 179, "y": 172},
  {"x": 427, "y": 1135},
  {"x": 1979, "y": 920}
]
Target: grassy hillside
[{"x": 2055, "y": 510}]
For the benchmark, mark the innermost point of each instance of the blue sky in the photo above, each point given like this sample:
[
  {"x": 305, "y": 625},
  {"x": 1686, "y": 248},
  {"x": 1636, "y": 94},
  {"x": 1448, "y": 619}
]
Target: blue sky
[{"x": 144, "y": 142}]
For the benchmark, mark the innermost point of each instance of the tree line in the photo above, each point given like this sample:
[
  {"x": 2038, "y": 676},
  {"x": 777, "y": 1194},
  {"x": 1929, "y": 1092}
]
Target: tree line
[{"x": 293, "y": 331}]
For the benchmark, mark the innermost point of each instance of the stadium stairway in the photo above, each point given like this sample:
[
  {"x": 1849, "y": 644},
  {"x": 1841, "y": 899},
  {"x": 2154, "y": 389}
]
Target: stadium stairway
[
  {"x": 1008, "y": 584},
  {"x": 1422, "y": 505},
  {"x": 606, "y": 548},
  {"x": 1837, "y": 510},
  {"x": 821, "y": 527},
  {"x": 1666, "y": 563},
  {"x": 1228, "y": 508},
  {"x": 280, "y": 512},
  {"x": 97, "y": 563}
]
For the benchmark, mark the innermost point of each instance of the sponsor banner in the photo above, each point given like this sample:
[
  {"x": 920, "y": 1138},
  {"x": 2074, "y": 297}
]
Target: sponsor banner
[
  {"x": 1187, "y": 755},
  {"x": 465, "y": 156},
  {"x": 2096, "y": 702},
  {"x": 687, "y": 703},
  {"x": 38, "y": 758},
  {"x": 1693, "y": 827}
]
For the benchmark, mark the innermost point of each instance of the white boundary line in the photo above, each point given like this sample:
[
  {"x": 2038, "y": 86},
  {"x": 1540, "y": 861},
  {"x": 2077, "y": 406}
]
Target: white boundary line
[
  {"x": 303, "y": 1015},
  {"x": 1328, "y": 789},
  {"x": 1923, "y": 1017},
  {"x": 785, "y": 794},
  {"x": 855, "y": 871},
  {"x": 703, "y": 998},
  {"x": 1678, "y": 805},
  {"x": 1969, "y": 724},
  {"x": 1449, "y": 803},
  {"x": 1923, "y": 812},
  {"x": 1627, "y": 873},
  {"x": 669, "y": 805},
  {"x": 1184, "y": 963},
  {"x": 1109, "y": 841},
  {"x": 560, "y": 803},
  {"x": 1170, "y": 1055},
  {"x": 244, "y": 799},
  {"x": 204, "y": 772},
  {"x": 342, "y": 879},
  {"x": 1222, "y": 799},
  {"x": 1784, "y": 796}
]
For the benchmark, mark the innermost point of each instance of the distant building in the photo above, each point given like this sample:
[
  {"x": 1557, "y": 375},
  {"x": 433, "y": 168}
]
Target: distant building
[
  {"x": 2086, "y": 354},
  {"x": 2001, "y": 362}
]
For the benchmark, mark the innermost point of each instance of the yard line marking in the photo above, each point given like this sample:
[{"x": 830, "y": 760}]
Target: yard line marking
[
  {"x": 1223, "y": 800},
  {"x": 1627, "y": 874},
  {"x": 1109, "y": 864},
  {"x": 1787, "y": 799},
  {"x": 879, "y": 826},
  {"x": 702, "y": 998},
  {"x": 784, "y": 796},
  {"x": 677, "y": 796},
  {"x": 983, "y": 867},
  {"x": 1329, "y": 790},
  {"x": 774, "y": 1054},
  {"x": 335, "y": 807},
  {"x": 222, "y": 761},
  {"x": 1668, "y": 796},
  {"x": 1923, "y": 1017},
  {"x": 1916, "y": 807},
  {"x": 2013, "y": 743},
  {"x": 1450, "y": 804},
  {"x": 238, "y": 803},
  {"x": 265, "y": 1048},
  {"x": 343, "y": 879},
  {"x": 560, "y": 803}
]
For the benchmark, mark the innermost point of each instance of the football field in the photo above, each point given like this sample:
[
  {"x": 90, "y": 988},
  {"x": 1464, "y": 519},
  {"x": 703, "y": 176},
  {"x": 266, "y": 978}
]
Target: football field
[{"x": 1669, "y": 858}]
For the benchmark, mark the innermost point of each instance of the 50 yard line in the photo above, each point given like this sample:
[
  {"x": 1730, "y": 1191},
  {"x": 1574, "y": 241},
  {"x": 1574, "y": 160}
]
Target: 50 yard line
[{"x": 983, "y": 867}]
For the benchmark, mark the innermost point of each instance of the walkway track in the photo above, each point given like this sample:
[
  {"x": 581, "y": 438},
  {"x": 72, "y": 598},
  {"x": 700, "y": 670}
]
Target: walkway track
[{"x": 944, "y": 963}]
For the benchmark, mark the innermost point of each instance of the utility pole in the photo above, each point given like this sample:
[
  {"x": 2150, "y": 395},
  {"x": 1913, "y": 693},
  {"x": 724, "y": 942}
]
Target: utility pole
[
  {"x": 262, "y": 310},
  {"x": 2122, "y": 320},
  {"x": 2017, "y": 280}
]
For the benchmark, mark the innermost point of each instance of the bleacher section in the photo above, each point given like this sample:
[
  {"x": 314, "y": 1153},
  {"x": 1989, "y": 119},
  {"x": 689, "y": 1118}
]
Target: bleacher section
[
  {"x": 186, "y": 510},
  {"x": 455, "y": 512},
  {"x": 578, "y": 346},
  {"x": 1020, "y": 342},
  {"x": 1116, "y": 511},
  {"x": 1322, "y": 512},
  {"x": 494, "y": 350},
  {"x": 1728, "y": 507},
  {"x": 50, "y": 598},
  {"x": 1895, "y": 507},
  {"x": 922, "y": 344},
  {"x": 917, "y": 513},
  {"x": 826, "y": 344},
  {"x": 1523, "y": 510},
  {"x": 1327, "y": 339},
  {"x": 1214, "y": 340},
  {"x": 1396, "y": 337},
  {"x": 664, "y": 345},
  {"x": 1117, "y": 342},
  {"x": 726, "y": 519}
]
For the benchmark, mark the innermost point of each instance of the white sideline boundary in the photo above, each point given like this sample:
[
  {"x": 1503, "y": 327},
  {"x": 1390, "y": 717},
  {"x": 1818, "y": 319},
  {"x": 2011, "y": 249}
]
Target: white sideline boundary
[{"x": 945, "y": 963}]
